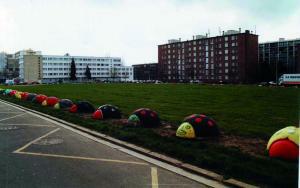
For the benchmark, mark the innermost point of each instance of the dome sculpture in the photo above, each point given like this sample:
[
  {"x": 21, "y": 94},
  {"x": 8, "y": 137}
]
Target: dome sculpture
[
  {"x": 198, "y": 125},
  {"x": 284, "y": 143},
  {"x": 63, "y": 104},
  {"x": 24, "y": 96},
  {"x": 107, "y": 111},
  {"x": 18, "y": 94},
  {"x": 50, "y": 101},
  {"x": 12, "y": 93},
  {"x": 39, "y": 99},
  {"x": 82, "y": 107},
  {"x": 31, "y": 97},
  {"x": 144, "y": 117},
  {"x": 7, "y": 91}
]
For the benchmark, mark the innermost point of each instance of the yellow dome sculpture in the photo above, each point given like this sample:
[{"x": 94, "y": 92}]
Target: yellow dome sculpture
[
  {"x": 290, "y": 132},
  {"x": 185, "y": 130}
]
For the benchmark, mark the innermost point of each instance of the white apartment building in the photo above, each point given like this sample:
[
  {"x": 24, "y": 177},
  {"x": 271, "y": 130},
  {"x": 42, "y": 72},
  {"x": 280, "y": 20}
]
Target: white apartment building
[{"x": 57, "y": 67}]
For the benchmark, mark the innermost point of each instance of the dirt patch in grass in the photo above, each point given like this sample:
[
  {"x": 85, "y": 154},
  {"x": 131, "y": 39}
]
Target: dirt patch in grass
[{"x": 251, "y": 146}]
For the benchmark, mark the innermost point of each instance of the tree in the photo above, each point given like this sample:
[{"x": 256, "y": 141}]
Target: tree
[
  {"x": 73, "y": 70},
  {"x": 88, "y": 72},
  {"x": 113, "y": 73}
]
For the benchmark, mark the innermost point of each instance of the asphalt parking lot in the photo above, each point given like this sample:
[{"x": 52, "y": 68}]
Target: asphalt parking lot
[{"x": 35, "y": 152}]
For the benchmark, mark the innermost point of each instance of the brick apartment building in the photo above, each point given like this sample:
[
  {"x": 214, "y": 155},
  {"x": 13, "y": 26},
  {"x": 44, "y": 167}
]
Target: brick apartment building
[
  {"x": 145, "y": 71},
  {"x": 230, "y": 58}
]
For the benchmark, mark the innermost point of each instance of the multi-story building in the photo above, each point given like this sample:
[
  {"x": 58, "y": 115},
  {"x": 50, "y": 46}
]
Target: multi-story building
[
  {"x": 148, "y": 71},
  {"x": 231, "y": 57},
  {"x": 277, "y": 58},
  {"x": 3, "y": 63},
  {"x": 58, "y": 68},
  {"x": 30, "y": 65},
  {"x": 12, "y": 67}
]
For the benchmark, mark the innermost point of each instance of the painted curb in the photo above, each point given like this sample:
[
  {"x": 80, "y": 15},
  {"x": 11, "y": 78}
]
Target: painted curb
[{"x": 185, "y": 166}]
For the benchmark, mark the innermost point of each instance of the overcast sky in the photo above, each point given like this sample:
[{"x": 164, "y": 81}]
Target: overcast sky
[{"x": 132, "y": 29}]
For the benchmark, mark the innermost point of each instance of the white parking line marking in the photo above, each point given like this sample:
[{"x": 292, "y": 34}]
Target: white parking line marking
[
  {"x": 27, "y": 124},
  {"x": 154, "y": 177},
  {"x": 13, "y": 117},
  {"x": 20, "y": 151},
  {"x": 35, "y": 140},
  {"x": 81, "y": 158},
  {"x": 8, "y": 112}
]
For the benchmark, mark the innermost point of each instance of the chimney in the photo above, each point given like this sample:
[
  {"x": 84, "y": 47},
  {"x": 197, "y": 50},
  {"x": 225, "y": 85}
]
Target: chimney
[
  {"x": 240, "y": 30},
  {"x": 179, "y": 39},
  {"x": 193, "y": 37},
  {"x": 223, "y": 32}
]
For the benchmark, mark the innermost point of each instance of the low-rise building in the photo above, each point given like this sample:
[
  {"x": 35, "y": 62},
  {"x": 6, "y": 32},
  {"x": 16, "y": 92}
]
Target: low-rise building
[
  {"x": 148, "y": 71},
  {"x": 298, "y": 59},
  {"x": 277, "y": 58}
]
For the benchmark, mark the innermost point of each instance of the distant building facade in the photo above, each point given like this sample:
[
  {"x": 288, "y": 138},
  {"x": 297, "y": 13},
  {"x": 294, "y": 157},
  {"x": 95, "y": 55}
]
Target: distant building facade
[
  {"x": 146, "y": 71},
  {"x": 231, "y": 57},
  {"x": 32, "y": 66},
  {"x": 57, "y": 68},
  {"x": 278, "y": 57},
  {"x": 9, "y": 66},
  {"x": 3, "y": 63},
  {"x": 298, "y": 59}
]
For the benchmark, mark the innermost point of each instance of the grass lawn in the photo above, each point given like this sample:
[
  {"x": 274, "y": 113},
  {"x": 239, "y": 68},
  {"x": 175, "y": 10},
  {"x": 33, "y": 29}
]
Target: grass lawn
[{"x": 243, "y": 111}]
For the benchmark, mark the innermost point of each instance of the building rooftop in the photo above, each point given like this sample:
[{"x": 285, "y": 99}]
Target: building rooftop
[
  {"x": 206, "y": 36},
  {"x": 280, "y": 40}
]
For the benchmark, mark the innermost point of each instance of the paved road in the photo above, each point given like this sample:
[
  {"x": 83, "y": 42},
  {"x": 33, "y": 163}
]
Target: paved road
[{"x": 36, "y": 152}]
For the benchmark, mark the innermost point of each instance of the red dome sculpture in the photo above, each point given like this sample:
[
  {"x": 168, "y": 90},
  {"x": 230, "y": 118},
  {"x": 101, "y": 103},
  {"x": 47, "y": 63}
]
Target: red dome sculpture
[
  {"x": 51, "y": 101},
  {"x": 40, "y": 98},
  {"x": 24, "y": 96},
  {"x": 97, "y": 114},
  {"x": 284, "y": 143},
  {"x": 12, "y": 93},
  {"x": 284, "y": 149}
]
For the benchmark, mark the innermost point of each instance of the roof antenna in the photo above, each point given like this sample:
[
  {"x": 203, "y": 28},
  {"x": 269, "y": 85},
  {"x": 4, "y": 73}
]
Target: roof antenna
[{"x": 254, "y": 29}]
